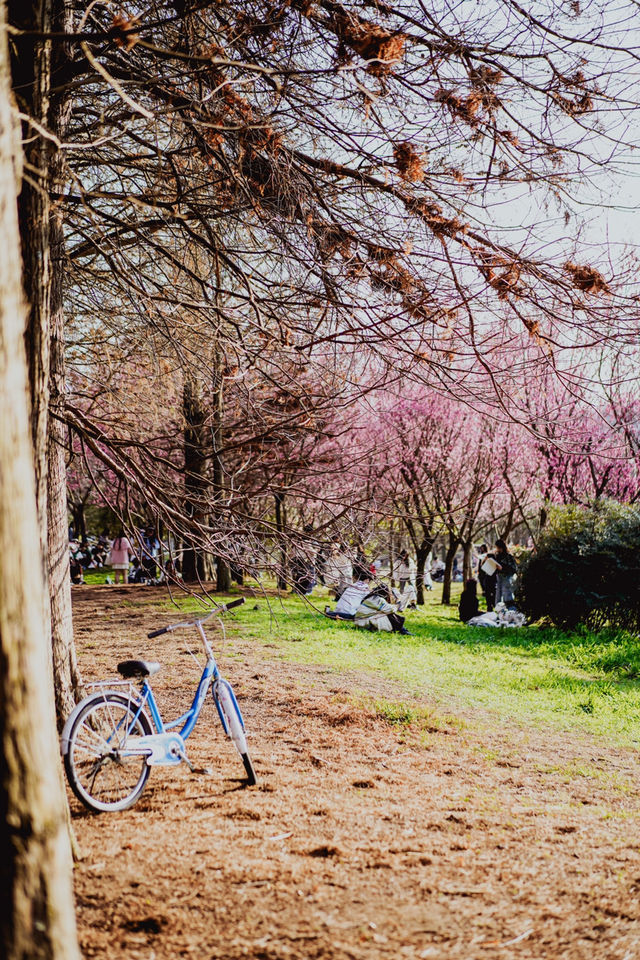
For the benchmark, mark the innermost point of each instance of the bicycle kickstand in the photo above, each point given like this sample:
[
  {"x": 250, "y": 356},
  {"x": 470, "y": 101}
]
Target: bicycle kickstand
[{"x": 206, "y": 771}]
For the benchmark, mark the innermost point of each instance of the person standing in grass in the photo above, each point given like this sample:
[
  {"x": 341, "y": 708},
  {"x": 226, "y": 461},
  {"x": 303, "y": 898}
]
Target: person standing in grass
[
  {"x": 338, "y": 570},
  {"x": 487, "y": 580},
  {"x": 121, "y": 553},
  {"x": 504, "y": 574},
  {"x": 403, "y": 572}
]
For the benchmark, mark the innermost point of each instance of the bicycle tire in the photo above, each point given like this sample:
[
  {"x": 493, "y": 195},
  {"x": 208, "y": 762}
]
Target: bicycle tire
[
  {"x": 233, "y": 725},
  {"x": 100, "y": 776}
]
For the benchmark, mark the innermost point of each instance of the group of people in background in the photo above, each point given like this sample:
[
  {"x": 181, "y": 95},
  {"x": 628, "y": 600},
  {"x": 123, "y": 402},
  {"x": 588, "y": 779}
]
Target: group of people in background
[
  {"x": 354, "y": 581},
  {"x": 140, "y": 564},
  {"x": 496, "y": 576},
  {"x": 371, "y": 604}
]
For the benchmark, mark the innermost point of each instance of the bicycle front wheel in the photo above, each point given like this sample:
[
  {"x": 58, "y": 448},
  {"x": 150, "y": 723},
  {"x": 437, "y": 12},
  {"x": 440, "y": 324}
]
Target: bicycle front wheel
[{"x": 100, "y": 771}]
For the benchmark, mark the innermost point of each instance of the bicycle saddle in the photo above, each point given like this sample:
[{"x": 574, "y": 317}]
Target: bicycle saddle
[{"x": 137, "y": 668}]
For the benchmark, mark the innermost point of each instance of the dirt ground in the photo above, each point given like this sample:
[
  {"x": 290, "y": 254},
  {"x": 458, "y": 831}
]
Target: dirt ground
[{"x": 361, "y": 839}]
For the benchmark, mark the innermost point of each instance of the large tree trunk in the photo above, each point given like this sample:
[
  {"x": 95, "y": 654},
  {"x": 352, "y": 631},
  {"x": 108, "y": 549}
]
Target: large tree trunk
[
  {"x": 31, "y": 77},
  {"x": 42, "y": 244},
  {"x": 65, "y": 668},
  {"x": 35, "y": 857}
]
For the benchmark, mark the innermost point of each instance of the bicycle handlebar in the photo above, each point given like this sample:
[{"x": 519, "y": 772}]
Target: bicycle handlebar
[
  {"x": 190, "y": 623},
  {"x": 234, "y": 603}
]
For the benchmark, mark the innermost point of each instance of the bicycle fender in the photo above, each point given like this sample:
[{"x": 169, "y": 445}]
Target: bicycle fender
[{"x": 235, "y": 726}]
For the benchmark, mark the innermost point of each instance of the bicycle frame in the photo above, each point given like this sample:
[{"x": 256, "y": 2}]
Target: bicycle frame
[
  {"x": 188, "y": 719},
  {"x": 166, "y": 747}
]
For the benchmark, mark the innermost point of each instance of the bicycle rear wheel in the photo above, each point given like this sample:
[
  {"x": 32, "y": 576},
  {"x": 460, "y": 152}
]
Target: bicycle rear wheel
[
  {"x": 233, "y": 724},
  {"x": 100, "y": 772}
]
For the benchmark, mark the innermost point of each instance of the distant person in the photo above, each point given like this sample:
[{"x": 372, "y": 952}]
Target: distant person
[
  {"x": 75, "y": 569},
  {"x": 505, "y": 574},
  {"x": 353, "y": 594},
  {"x": 338, "y": 571},
  {"x": 427, "y": 579},
  {"x": 170, "y": 573},
  {"x": 119, "y": 557},
  {"x": 401, "y": 570},
  {"x": 487, "y": 580},
  {"x": 360, "y": 562},
  {"x": 137, "y": 573},
  {"x": 403, "y": 573},
  {"x": 150, "y": 552},
  {"x": 468, "y": 606},
  {"x": 303, "y": 573},
  {"x": 368, "y": 608},
  {"x": 101, "y": 551}
]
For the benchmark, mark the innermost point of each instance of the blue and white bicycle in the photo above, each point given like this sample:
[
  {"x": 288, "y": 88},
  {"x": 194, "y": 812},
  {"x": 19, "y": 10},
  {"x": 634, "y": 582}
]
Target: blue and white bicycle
[{"x": 116, "y": 734}]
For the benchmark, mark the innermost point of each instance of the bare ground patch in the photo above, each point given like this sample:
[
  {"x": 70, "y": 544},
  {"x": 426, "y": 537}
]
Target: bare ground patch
[{"x": 364, "y": 838}]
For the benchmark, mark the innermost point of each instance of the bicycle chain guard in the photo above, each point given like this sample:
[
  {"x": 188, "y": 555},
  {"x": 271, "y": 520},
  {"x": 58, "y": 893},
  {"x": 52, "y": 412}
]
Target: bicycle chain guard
[{"x": 160, "y": 749}]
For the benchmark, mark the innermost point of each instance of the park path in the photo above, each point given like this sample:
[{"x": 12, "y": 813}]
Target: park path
[{"x": 364, "y": 839}]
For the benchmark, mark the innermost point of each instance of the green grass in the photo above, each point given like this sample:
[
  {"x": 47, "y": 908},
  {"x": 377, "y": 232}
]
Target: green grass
[
  {"x": 576, "y": 681},
  {"x": 531, "y": 675},
  {"x": 94, "y": 577}
]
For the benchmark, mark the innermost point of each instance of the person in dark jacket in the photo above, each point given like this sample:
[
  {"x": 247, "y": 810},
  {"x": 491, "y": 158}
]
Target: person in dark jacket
[
  {"x": 468, "y": 606},
  {"x": 486, "y": 580},
  {"x": 505, "y": 574}
]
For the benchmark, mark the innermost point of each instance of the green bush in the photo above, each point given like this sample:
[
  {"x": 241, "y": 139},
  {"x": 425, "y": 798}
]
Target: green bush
[{"x": 585, "y": 569}]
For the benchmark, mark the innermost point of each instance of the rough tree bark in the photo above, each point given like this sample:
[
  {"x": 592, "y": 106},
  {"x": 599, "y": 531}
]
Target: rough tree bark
[
  {"x": 281, "y": 527},
  {"x": 195, "y": 470},
  {"x": 42, "y": 245},
  {"x": 31, "y": 79},
  {"x": 35, "y": 855},
  {"x": 65, "y": 668},
  {"x": 467, "y": 568},
  {"x": 223, "y": 572},
  {"x": 68, "y": 685}
]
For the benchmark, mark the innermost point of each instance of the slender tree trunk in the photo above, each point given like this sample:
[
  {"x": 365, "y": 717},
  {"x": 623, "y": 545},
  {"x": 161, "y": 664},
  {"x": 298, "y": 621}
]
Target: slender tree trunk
[
  {"x": 37, "y": 921},
  {"x": 448, "y": 569},
  {"x": 223, "y": 572},
  {"x": 194, "y": 473},
  {"x": 467, "y": 572},
  {"x": 79, "y": 519},
  {"x": 392, "y": 553},
  {"x": 65, "y": 668},
  {"x": 543, "y": 516},
  {"x": 223, "y": 576},
  {"x": 281, "y": 528}
]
